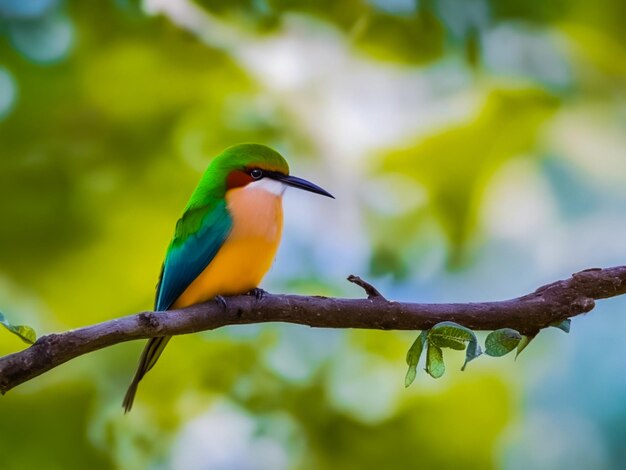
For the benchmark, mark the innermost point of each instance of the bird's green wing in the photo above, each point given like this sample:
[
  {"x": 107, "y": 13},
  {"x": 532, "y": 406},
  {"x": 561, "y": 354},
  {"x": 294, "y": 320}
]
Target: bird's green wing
[{"x": 200, "y": 233}]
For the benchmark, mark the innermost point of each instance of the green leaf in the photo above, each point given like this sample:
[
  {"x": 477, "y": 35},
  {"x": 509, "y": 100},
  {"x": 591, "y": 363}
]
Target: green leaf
[
  {"x": 563, "y": 326},
  {"x": 26, "y": 333},
  {"x": 413, "y": 357},
  {"x": 451, "y": 335},
  {"x": 446, "y": 334},
  {"x": 434, "y": 361},
  {"x": 473, "y": 351},
  {"x": 525, "y": 341},
  {"x": 501, "y": 342}
]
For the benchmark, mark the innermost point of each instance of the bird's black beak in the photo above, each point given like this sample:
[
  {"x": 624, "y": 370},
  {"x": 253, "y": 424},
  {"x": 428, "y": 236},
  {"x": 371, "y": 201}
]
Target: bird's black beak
[{"x": 300, "y": 184}]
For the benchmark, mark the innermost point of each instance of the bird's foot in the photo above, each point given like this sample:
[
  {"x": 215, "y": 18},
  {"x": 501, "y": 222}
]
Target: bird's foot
[
  {"x": 257, "y": 293},
  {"x": 221, "y": 301}
]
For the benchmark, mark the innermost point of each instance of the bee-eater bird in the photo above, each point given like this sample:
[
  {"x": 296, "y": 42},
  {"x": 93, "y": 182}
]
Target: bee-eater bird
[{"x": 226, "y": 239}]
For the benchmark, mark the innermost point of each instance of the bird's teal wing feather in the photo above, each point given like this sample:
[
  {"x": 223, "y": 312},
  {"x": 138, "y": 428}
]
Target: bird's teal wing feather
[{"x": 200, "y": 233}]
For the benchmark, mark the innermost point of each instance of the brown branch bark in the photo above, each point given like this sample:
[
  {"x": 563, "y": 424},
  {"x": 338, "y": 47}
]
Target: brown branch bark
[{"x": 527, "y": 314}]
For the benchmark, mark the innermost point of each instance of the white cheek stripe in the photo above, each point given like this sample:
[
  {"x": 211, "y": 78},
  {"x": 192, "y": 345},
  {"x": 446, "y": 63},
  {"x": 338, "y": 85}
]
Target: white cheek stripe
[{"x": 267, "y": 184}]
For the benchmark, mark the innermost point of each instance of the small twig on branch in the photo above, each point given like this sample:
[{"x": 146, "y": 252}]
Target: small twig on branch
[
  {"x": 527, "y": 314},
  {"x": 370, "y": 290}
]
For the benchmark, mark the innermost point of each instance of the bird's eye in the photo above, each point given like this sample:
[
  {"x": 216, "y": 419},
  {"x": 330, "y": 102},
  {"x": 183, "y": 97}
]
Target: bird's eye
[{"x": 256, "y": 173}]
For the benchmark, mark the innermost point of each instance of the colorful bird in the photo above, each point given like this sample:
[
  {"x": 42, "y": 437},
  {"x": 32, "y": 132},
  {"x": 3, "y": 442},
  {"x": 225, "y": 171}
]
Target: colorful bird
[{"x": 227, "y": 237}]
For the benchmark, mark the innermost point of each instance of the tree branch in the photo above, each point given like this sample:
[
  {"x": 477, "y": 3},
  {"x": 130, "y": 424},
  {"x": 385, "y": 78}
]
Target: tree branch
[{"x": 527, "y": 314}]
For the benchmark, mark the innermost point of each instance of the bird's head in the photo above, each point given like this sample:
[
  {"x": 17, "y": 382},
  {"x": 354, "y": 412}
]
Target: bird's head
[{"x": 254, "y": 165}]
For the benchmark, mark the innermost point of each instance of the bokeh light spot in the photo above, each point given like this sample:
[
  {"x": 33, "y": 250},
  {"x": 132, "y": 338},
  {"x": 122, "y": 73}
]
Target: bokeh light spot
[
  {"x": 8, "y": 92},
  {"x": 46, "y": 40}
]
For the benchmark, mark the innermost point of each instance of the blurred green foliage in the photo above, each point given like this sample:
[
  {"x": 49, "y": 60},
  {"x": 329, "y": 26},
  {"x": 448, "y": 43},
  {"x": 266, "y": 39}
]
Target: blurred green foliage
[
  {"x": 108, "y": 114},
  {"x": 454, "y": 165}
]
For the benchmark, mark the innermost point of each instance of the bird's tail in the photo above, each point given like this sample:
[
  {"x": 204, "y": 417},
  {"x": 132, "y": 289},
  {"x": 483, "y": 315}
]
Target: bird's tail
[{"x": 149, "y": 357}]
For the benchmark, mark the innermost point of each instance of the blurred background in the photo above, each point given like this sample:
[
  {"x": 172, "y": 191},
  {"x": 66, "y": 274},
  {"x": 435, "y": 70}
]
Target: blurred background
[{"x": 476, "y": 151}]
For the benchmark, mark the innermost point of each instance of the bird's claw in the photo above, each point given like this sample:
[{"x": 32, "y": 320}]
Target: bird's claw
[
  {"x": 221, "y": 301},
  {"x": 257, "y": 293}
]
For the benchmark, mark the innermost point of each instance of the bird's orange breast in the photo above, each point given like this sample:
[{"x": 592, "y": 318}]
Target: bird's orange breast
[{"x": 248, "y": 252}]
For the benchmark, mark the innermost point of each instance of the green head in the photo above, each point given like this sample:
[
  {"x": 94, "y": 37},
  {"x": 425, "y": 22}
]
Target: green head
[
  {"x": 243, "y": 157},
  {"x": 245, "y": 164}
]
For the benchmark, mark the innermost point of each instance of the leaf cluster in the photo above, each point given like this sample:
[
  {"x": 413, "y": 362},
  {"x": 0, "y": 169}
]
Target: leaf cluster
[{"x": 451, "y": 335}]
